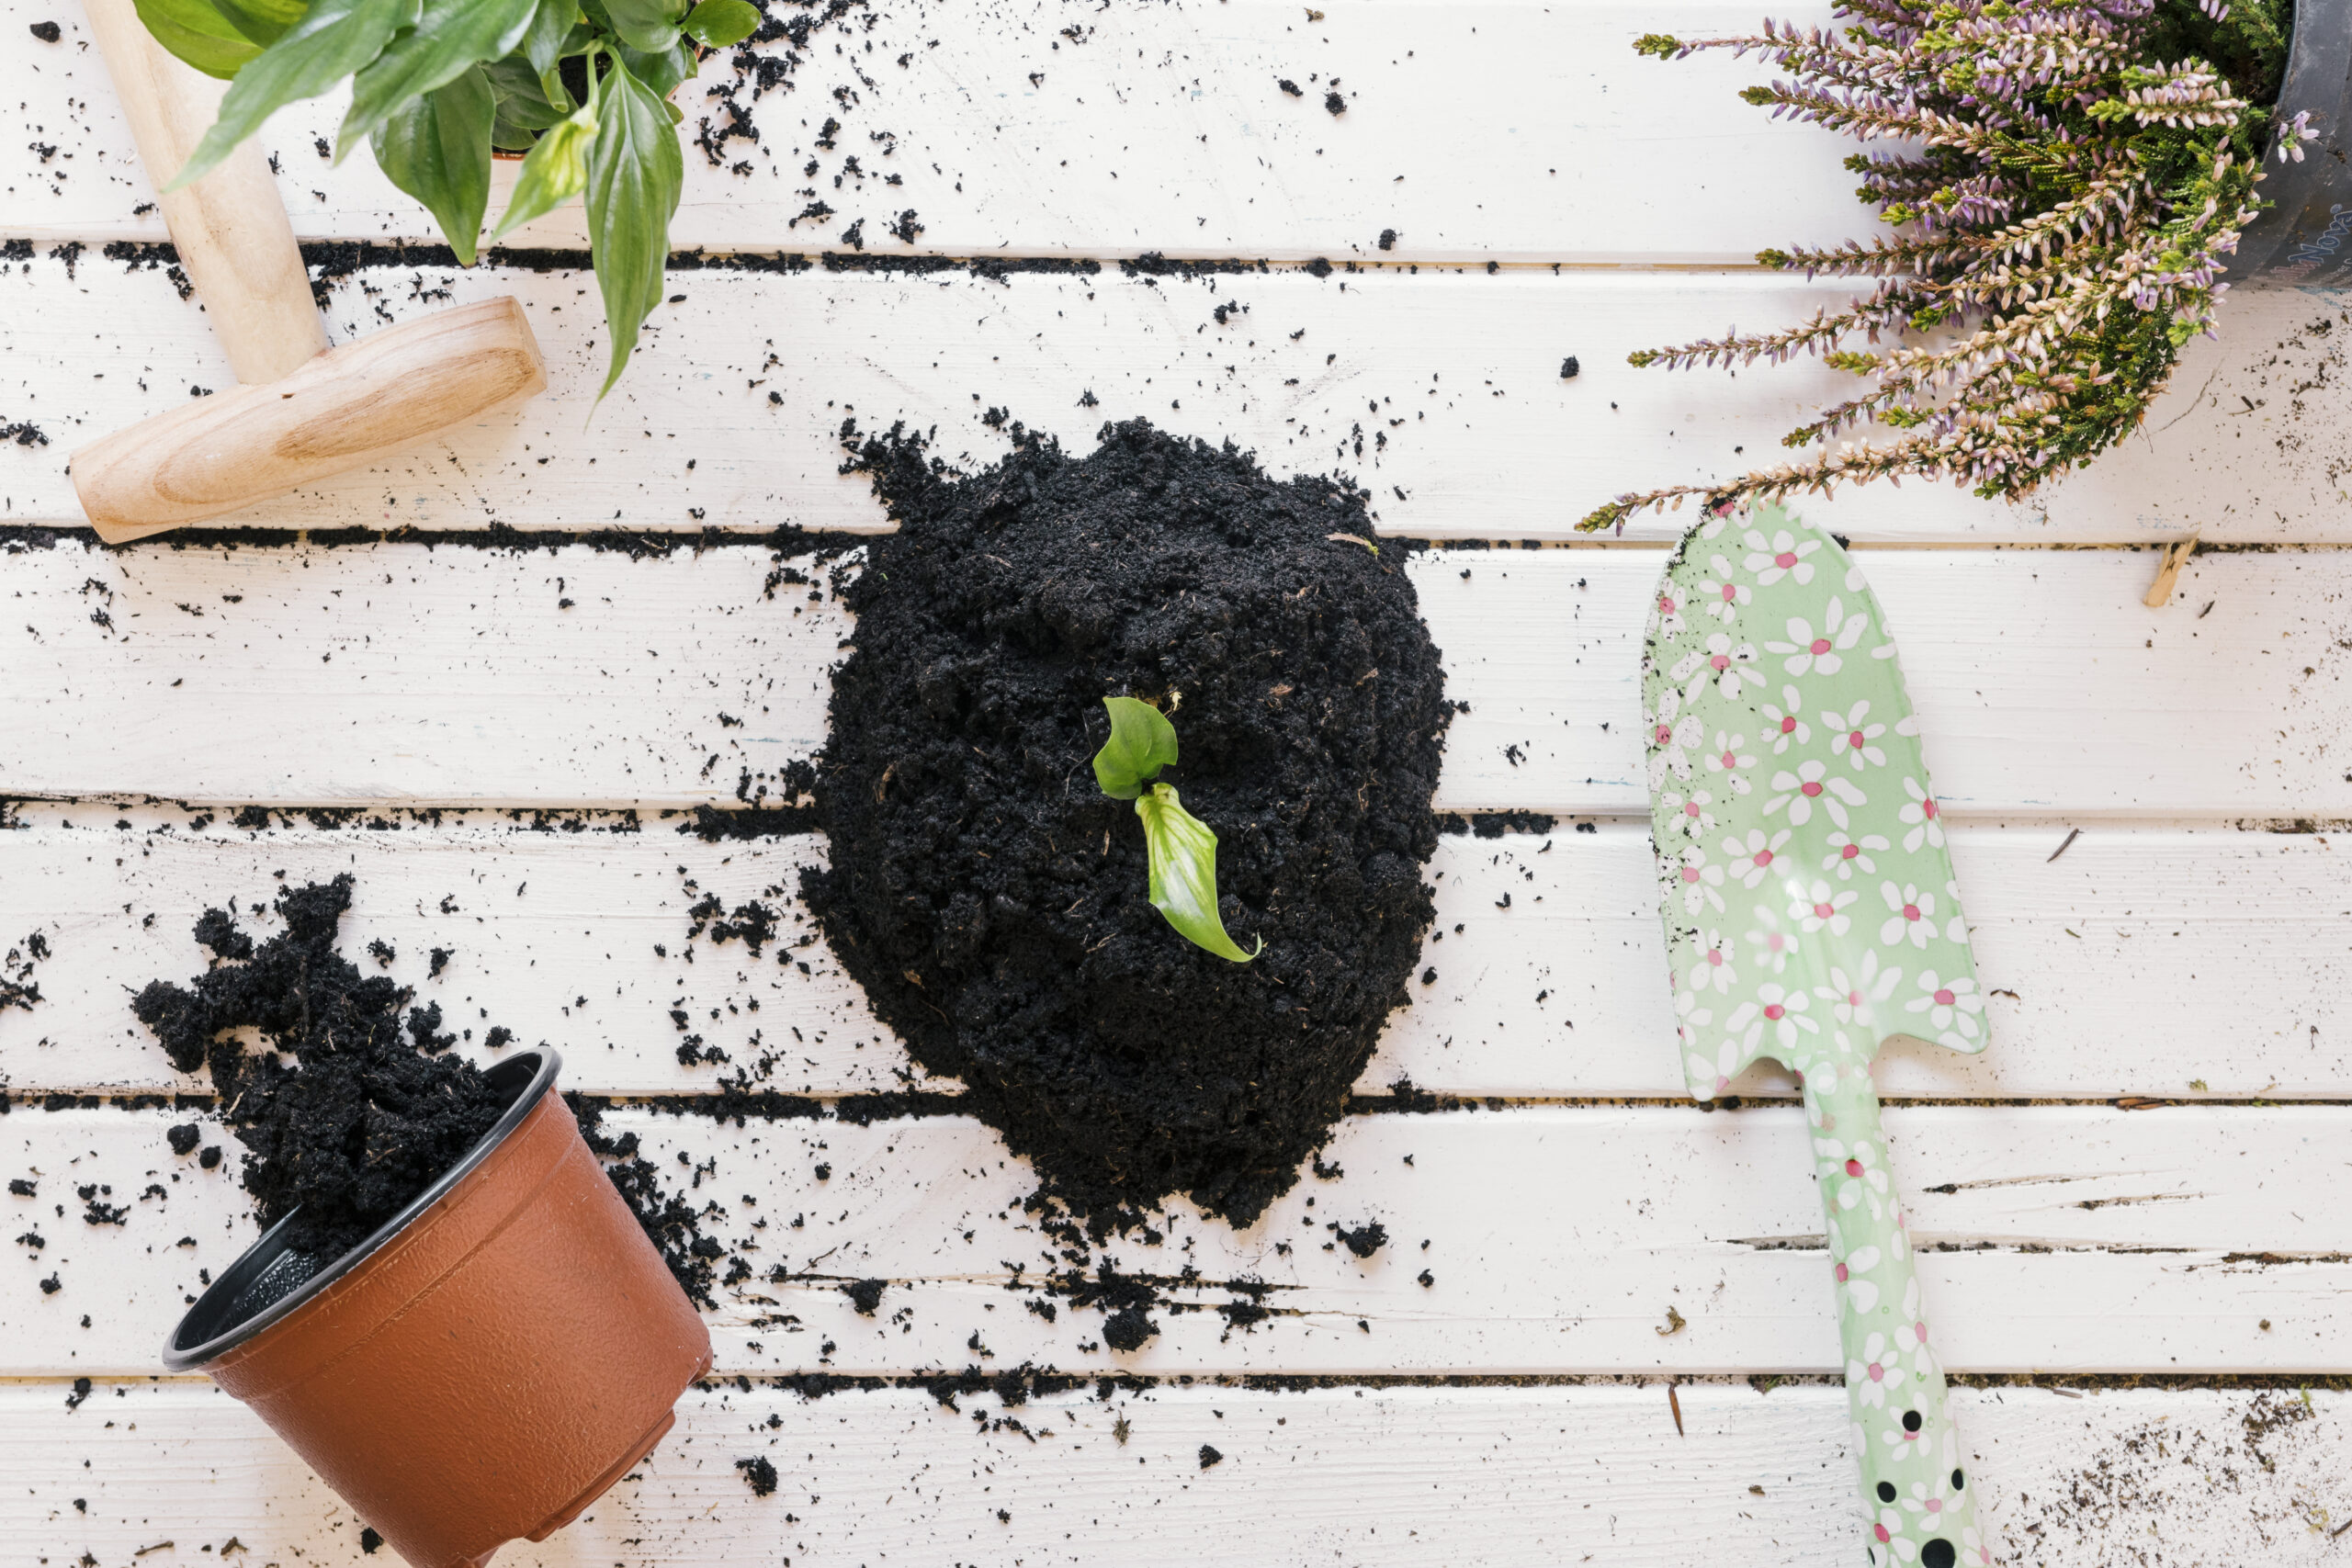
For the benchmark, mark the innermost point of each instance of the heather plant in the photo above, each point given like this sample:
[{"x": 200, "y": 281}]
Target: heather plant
[{"x": 2068, "y": 177}]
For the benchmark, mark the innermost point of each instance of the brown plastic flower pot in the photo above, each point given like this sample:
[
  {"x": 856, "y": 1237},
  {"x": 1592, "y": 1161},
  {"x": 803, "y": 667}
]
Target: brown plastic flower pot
[{"x": 485, "y": 1365}]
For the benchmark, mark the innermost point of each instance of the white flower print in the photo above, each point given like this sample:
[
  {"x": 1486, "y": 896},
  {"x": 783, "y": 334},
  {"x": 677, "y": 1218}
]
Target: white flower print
[
  {"x": 1876, "y": 1375},
  {"x": 1701, "y": 882},
  {"x": 1849, "y": 1275},
  {"x": 1782, "y": 555},
  {"x": 1720, "y": 594},
  {"x": 1888, "y": 1530},
  {"x": 1928, "y": 1499},
  {"x": 1666, "y": 617},
  {"x": 1850, "y": 996},
  {"x": 1689, "y": 812},
  {"x": 1956, "y": 927},
  {"x": 1926, "y": 822},
  {"x": 1863, "y": 1165},
  {"x": 1672, "y": 733},
  {"x": 1730, "y": 755},
  {"x": 1784, "y": 1013},
  {"x": 1713, "y": 969},
  {"x": 1808, "y": 651},
  {"x": 1772, "y": 948},
  {"x": 1820, "y": 907},
  {"x": 1848, "y": 854},
  {"x": 1912, "y": 916},
  {"x": 1751, "y": 857},
  {"x": 1854, "y": 738},
  {"x": 1691, "y": 1017},
  {"x": 1952, "y": 1007},
  {"x": 1972, "y": 1548},
  {"x": 1786, "y": 728},
  {"x": 1711, "y": 1079},
  {"x": 1812, "y": 785}
]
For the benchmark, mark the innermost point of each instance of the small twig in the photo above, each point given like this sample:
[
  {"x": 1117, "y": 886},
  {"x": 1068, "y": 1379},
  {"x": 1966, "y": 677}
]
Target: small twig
[
  {"x": 1674, "y": 1403},
  {"x": 2061, "y": 849},
  {"x": 2175, "y": 556}
]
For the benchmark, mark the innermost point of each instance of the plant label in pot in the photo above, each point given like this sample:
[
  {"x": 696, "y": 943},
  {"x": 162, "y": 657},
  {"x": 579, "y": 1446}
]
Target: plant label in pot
[{"x": 487, "y": 1363}]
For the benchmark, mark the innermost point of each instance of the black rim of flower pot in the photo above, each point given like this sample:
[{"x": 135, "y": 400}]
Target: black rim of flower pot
[
  {"x": 2305, "y": 237},
  {"x": 271, "y": 1282}
]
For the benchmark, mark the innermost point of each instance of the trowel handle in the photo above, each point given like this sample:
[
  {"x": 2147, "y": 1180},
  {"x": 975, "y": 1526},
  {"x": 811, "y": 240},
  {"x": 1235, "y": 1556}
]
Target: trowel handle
[
  {"x": 229, "y": 227},
  {"x": 1918, "y": 1491}
]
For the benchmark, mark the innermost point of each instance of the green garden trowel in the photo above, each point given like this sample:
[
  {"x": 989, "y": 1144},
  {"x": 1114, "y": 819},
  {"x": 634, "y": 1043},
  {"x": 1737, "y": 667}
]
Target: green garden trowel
[{"x": 1811, "y": 912}]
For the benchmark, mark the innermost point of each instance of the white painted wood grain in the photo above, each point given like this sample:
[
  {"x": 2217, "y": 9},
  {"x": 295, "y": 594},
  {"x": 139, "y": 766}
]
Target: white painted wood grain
[
  {"x": 1485, "y": 1477},
  {"x": 1448, "y": 381},
  {"x": 393, "y": 672},
  {"x": 2119, "y": 969},
  {"x": 2080, "y": 1240},
  {"x": 1471, "y": 132}
]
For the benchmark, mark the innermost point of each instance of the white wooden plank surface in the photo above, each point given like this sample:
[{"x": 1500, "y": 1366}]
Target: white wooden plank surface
[
  {"x": 2119, "y": 970},
  {"x": 456, "y": 675},
  {"x": 1485, "y": 1477},
  {"x": 2073, "y": 1239},
  {"x": 1449, "y": 381},
  {"x": 1164, "y": 130}
]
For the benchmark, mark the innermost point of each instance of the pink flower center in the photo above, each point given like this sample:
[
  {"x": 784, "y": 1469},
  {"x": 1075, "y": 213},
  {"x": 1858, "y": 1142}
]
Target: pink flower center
[
  {"x": 1878, "y": 1373},
  {"x": 1810, "y": 787},
  {"x": 1721, "y": 662},
  {"x": 1855, "y": 739},
  {"x": 1775, "y": 1010},
  {"x": 1819, "y": 645},
  {"x": 1690, "y": 808},
  {"x": 1910, "y": 912},
  {"x": 1763, "y": 857},
  {"x": 1776, "y": 943},
  {"x": 1730, "y": 593},
  {"x": 1943, "y": 998},
  {"x": 1921, "y": 1330},
  {"x": 1715, "y": 956},
  {"x": 1911, "y": 1437},
  {"x": 1841, "y": 1273},
  {"x": 1664, "y": 605},
  {"x": 1853, "y": 999},
  {"x": 1823, "y": 911},
  {"x": 1850, "y": 851},
  {"x": 1689, "y": 874},
  {"x": 1721, "y": 1083},
  {"x": 1880, "y": 1532},
  {"x": 1663, "y": 735},
  {"x": 1928, "y": 807},
  {"x": 1785, "y": 559},
  {"x": 1789, "y": 724},
  {"x": 1730, "y": 761},
  {"x": 1853, "y": 1167},
  {"x": 1935, "y": 1505}
]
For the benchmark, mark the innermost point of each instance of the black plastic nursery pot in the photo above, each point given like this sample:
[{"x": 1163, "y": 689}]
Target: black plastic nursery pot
[
  {"x": 487, "y": 1363},
  {"x": 2305, "y": 239}
]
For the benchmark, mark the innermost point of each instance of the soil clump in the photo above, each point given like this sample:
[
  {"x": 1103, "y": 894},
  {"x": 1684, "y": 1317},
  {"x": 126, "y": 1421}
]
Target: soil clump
[{"x": 994, "y": 902}]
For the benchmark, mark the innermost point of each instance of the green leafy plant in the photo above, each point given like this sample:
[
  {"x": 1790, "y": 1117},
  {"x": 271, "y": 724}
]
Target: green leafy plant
[
  {"x": 1181, "y": 848},
  {"x": 579, "y": 86}
]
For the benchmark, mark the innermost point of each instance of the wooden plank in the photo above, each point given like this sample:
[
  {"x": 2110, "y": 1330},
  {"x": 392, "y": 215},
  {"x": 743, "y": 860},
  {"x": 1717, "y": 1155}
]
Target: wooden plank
[
  {"x": 1048, "y": 128},
  {"x": 2054, "y": 1238},
  {"x": 2119, "y": 969},
  {"x": 1486, "y": 1477},
  {"x": 1450, "y": 382},
  {"x": 395, "y": 672}
]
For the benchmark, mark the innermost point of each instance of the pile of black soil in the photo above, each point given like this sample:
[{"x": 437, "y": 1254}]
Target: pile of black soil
[
  {"x": 370, "y": 1110},
  {"x": 992, "y": 902}
]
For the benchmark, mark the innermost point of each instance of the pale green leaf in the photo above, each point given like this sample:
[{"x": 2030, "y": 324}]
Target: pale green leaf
[
  {"x": 451, "y": 37},
  {"x": 1183, "y": 852},
  {"x": 635, "y": 172},
  {"x": 548, "y": 39},
  {"x": 556, "y": 171},
  {"x": 722, "y": 23},
  {"x": 647, "y": 24},
  {"x": 1142, "y": 742},
  {"x": 436, "y": 148},
  {"x": 196, "y": 32},
  {"x": 333, "y": 38},
  {"x": 263, "y": 22}
]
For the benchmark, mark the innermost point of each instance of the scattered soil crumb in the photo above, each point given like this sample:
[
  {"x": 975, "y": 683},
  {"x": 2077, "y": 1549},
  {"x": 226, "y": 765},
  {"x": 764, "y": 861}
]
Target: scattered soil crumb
[{"x": 759, "y": 1475}]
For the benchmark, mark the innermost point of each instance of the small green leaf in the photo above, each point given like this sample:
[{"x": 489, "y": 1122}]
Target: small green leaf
[
  {"x": 722, "y": 23},
  {"x": 556, "y": 171},
  {"x": 521, "y": 100},
  {"x": 450, "y": 38},
  {"x": 335, "y": 39},
  {"x": 197, "y": 33},
  {"x": 1142, "y": 742},
  {"x": 436, "y": 148},
  {"x": 548, "y": 40},
  {"x": 263, "y": 22},
  {"x": 1182, "y": 853},
  {"x": 661, "y": 69},
  {"x": 647, "y": 24},
  {"x": 635, "y": 172}
]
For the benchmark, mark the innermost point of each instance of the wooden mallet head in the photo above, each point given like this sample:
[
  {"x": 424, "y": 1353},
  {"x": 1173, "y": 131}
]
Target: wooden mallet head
[{"x": 305, "y": 411}]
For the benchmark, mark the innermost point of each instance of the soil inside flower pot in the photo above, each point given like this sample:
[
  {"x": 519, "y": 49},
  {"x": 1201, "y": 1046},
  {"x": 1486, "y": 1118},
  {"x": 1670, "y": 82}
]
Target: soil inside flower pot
[{"x": 993, "y": 901}]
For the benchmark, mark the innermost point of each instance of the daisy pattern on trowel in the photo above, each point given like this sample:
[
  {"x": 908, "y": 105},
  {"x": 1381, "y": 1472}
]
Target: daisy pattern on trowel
[{"x": 1811, "y": 912}]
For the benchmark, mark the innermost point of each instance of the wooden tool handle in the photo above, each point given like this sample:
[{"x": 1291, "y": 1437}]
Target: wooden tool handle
[
  {"x": 340, "y": 410},
  {"x": 229, "y": 227}
]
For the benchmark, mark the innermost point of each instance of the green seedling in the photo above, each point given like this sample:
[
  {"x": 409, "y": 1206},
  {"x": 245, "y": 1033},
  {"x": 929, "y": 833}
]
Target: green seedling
[{"x": 1182, "y": 847}]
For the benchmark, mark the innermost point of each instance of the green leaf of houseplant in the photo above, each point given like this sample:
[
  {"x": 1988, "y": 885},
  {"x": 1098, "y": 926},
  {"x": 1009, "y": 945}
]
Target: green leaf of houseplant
[
  {"x": 197, "y": 33},
  {"x": 1142, "y": 742},
  {"x": 635, "y": 171},
  {"x": 662, "y": 70},
  {"x": 335, "y": 39},
  {"x": 548, "y": 39},
  {"x": 647, "y": 24},
  {"x": 722, "y": 23},
  {"x": 556, "y": 171},
  {"x": 521, "y": 101},
  {"x": 436, "y": 148},
  {"x": 451, "y": 37},
  {"x": 263, "y": 22},
  {"x": 1182, "y": 853}
]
